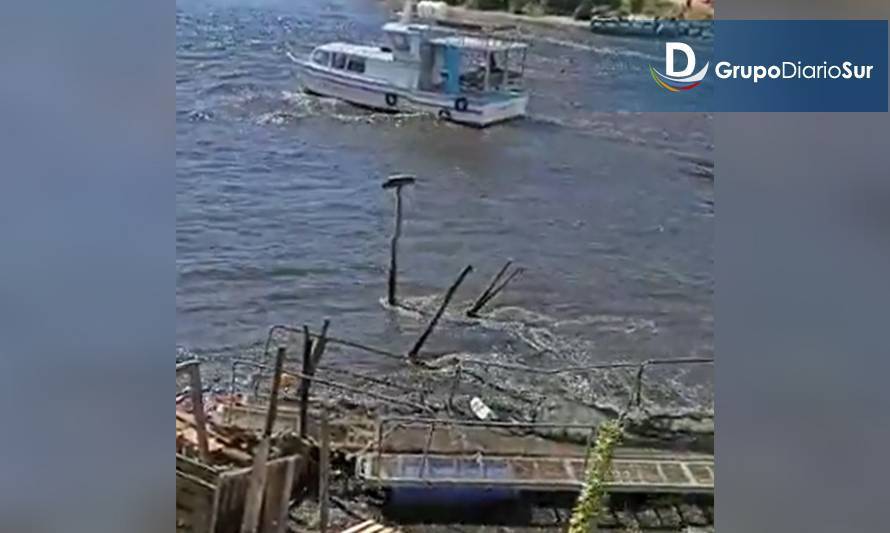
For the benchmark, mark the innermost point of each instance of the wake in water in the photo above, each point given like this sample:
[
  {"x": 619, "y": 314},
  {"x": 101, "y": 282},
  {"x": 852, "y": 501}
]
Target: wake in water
[
  {"x": 301, "y": 105},
  {"x": 548, "y": 345}
]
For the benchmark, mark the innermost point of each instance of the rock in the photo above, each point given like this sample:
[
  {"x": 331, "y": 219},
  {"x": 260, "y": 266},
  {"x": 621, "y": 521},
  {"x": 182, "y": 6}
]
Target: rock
[
  {"x": 648, "y": 518},
  {"x": 670, "y": 517},
  {"x": 562, "y": 412},
  {"x": 583, "y": 11},
  {"x": 627, "y": 520},
  {"x": 692, "y": 515},
  {"x": 608, "y": 519}
]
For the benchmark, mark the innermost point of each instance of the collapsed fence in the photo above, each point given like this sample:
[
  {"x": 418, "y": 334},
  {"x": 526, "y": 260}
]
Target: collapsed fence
[{"x": 412, "y": 398}]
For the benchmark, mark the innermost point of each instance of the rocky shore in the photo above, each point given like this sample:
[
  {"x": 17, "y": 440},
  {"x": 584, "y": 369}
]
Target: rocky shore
[{"x": 557, "y": 13}]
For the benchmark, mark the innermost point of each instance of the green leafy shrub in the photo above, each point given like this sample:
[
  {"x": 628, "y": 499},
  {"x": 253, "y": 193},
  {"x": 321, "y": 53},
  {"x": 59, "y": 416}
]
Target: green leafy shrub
[{"x": 599, "y": 471}]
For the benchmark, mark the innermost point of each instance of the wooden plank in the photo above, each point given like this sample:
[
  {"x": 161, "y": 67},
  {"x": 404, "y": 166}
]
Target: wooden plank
[
  {"x": 191, "y": 467},
  {"x": 358, "y": 527},
  {"x": 277, "y": 496},
  {"x": 194, "y": 502},
  {"x": 197, "y": 395},
  {"x": 253, "y": 501}
]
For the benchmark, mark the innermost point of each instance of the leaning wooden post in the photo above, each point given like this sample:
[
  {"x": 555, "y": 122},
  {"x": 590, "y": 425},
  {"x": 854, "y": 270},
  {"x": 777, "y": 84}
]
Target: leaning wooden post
[
  {"x": 304, "y": 382},
  {"x": 477, "y": 305},
  {"x": 312, "y": 352},
  {"x": 319, "y": 345},
  {"x": 395, "y": 182},
  {"x": 253, "y": 503},
  {"x": 638, "y": 386},
  {"x": 276, "y": 387},
  {"x": 197, "y": 396},
  {"x": 493, "y": 290},
  {"x": 412, "y": 355},
  {"x": 324, "y": 469}
]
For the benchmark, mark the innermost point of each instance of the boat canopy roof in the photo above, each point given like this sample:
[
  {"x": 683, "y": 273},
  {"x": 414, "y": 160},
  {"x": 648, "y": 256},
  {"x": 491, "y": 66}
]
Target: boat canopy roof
[
  {"x": 401, "y": 27},
  {"x": 370, "y": 52},
  {"x": 478, "y": 43}
]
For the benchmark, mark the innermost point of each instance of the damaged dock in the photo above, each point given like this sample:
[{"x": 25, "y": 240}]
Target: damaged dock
[{"x": 287, "y": 442}]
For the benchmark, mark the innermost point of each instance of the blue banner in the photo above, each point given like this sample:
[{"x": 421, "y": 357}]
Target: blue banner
[
  {"x": 800, "y": 65},
  {"x": 770, "y": 65}
]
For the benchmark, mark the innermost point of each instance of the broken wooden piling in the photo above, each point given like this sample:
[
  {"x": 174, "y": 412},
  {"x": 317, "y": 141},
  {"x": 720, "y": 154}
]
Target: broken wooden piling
[
  {"x": 304, "y": 382},
  {"x": 493, "y": 289},
  {"x": 412, "y": 355},
  {"x": 395, "y": 182},
  {"x": 320, "y": 343},
  {"x": 312, "y": 353}
]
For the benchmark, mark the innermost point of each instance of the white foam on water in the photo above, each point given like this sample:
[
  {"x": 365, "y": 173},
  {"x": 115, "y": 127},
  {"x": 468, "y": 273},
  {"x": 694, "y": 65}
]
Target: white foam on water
[{"x": 603, "y": 50}]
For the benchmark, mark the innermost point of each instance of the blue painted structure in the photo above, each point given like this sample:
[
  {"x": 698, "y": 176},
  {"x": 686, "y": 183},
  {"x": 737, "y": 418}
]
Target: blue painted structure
[{"x": 452, "y": 69}]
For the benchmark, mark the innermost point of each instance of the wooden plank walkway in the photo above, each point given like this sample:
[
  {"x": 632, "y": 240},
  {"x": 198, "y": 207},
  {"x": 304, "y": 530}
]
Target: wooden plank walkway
[
  {"x": 369, "y": 526},
  {"x": 646, "y": 472}
]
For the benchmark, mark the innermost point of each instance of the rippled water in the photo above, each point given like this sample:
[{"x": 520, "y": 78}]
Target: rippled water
[{"x": 281, "y": 218}]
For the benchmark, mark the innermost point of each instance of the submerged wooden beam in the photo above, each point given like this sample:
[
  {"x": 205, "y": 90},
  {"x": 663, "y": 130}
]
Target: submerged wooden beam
[
  {"x": 412, "y": 355},
  {"x": 483, "y": 298},
  {"x": 500, "y": 287}
]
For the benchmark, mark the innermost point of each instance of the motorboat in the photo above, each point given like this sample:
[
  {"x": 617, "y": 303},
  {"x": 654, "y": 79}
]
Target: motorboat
[{"x": 468, "y": 79}]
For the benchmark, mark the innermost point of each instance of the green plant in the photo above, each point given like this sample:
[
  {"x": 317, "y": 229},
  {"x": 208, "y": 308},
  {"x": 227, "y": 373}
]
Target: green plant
[{"x": 599, "y": 471}]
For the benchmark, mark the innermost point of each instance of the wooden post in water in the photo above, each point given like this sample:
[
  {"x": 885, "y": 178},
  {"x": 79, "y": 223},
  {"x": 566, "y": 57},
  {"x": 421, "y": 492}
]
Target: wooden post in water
[
  {"x": 412, "y": 355},
  {"x": 324, "y": 472},
  {"x": 493, "y": 289},
  {"x": 253, "y": 503},
  {"x": 395, "y": 182}
]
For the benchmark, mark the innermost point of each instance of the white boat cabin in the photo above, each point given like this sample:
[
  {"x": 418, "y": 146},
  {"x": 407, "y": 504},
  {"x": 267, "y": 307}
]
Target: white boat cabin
[{"x": 415, "y": 58}]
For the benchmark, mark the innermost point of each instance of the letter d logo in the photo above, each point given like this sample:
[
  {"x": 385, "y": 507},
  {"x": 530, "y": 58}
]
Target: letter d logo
[
  {"x": 675, "y": 80},
  {"x": 670, "y": 51}
]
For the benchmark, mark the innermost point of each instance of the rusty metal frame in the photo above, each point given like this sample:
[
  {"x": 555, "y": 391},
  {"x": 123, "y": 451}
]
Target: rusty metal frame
[{"x": 326, "y": 383}]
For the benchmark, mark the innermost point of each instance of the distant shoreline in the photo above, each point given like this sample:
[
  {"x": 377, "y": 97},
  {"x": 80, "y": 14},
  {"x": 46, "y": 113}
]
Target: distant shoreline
[{"x": 461, "y": 15}]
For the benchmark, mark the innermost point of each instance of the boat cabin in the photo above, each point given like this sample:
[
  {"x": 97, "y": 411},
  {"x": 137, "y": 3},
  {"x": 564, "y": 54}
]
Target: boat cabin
[
  {"x": 417, "y": 58},
  {"x": 468, "y": 64},
  {"x": 453, "y": 64}
]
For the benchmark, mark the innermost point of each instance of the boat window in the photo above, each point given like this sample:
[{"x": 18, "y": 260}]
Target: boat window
[
  {"x": 356, "y": 64},
  {"x": 400, "y": 42},
  {"x": 339, "y": 61},
  {"x": 320, "y": 57}
]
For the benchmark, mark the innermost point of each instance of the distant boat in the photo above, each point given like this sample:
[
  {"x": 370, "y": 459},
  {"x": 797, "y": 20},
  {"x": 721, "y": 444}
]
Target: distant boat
[
  {"x": 465, "y": 79},
  {"x": 659, "y": 28}
]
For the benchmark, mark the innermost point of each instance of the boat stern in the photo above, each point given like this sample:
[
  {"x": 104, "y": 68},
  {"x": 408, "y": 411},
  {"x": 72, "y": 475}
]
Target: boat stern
[{"x": 486, "y": 113}]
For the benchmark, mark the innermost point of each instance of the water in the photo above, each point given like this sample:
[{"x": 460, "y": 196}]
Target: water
[{"x": 281, "y": 218}]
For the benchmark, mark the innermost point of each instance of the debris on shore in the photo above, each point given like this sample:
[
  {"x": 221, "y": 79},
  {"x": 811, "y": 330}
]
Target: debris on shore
[{"x": 287, "y": 442}]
